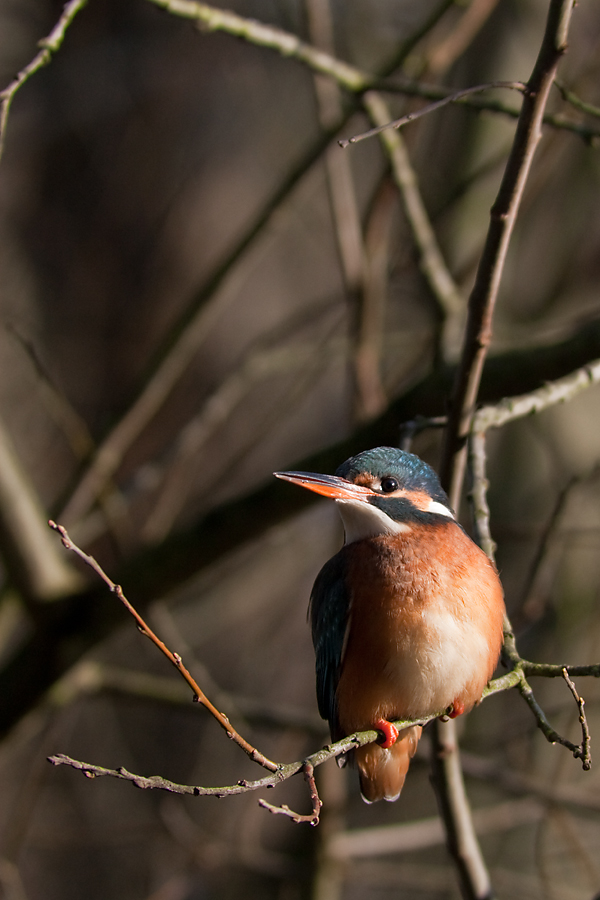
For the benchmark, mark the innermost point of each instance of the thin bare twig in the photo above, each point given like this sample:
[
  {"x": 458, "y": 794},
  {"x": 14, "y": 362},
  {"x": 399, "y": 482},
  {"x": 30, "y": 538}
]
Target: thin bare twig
[
  {"x": 409, "y": 430},
  {"x": 579, "y": 751},
  {"x": 431, "y": 259},
  {"x": 174, "y": 658},
  {"x": 49, "y": 45},
  {"x": 310, "y": 818},
  {"x": 584, "y": 752},
  {"x": 431, "y": 107}
]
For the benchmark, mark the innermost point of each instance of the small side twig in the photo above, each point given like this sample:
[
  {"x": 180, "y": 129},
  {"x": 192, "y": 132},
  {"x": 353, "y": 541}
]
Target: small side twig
[
  {"x": 431, "y": 107},
  {"x": 584, "y": 753},
  {"x": 174, "y": 658},
  {"x": 579, "y": 751},
  {"x": 284, "y": 810},
  {"x": 48, "y": 45}
]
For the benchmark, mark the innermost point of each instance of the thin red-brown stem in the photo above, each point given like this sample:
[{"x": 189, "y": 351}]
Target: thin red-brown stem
[
  {"x": 174, "y": 658},
  {"x": 298, "y": 818}
]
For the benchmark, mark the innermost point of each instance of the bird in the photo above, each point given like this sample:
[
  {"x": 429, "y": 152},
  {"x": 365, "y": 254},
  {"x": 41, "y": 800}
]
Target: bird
[{"x": 406, "y": 619}]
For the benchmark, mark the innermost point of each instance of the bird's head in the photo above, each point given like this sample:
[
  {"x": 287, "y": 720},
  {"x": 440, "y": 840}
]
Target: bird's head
[{"x": 380, "y": 491}]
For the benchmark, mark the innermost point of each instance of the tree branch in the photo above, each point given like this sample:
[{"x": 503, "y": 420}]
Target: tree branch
[
  {"x": 174, "y": 658},
  {"x": 502, "y": 220},
  {"x": 431, "y": 107},
  {"x": 49, "y": 45}
]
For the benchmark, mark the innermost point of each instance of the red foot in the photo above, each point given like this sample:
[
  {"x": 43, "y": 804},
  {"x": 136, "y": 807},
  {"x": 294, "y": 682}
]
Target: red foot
[
  {"x": 390, "y": 733},
  {"x": 456, "y": 709}
]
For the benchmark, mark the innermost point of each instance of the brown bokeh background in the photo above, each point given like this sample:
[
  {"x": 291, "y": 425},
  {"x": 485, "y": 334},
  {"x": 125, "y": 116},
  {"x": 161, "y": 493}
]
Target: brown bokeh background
[{"x": 153, "y": 174}]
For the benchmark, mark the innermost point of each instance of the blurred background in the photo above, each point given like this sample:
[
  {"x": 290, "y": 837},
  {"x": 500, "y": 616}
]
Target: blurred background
[{"x": 200, "y": 287}]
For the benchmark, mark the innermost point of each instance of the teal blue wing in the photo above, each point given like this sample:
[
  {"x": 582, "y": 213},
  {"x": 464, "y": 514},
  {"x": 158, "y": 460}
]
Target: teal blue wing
[{"x": 329, "y": 614}]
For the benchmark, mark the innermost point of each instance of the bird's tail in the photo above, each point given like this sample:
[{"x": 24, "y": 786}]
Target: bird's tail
[{"x": 382, "y": 772}]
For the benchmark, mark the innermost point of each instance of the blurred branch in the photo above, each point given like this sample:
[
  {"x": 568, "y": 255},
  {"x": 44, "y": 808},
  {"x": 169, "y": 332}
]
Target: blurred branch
[
  {"x": 208, "y": 305},
  {"x": 576, "y": 101},
  {"x": 508, "y": 410},
  {"x": 344, "y": 204},
  {"x": 49, "y": 46},
  {"x": 39, "y": 572},
  {"x": 371, "y": 326},
  {"x": 257, "y": 366},
  {"x": 349, "y": 77},
  {"x": 448, "y": 50},
  {"x": 431, "y": 260},
  {"x": 560, "y": 391},
  {"x": 360, "y": 275}
]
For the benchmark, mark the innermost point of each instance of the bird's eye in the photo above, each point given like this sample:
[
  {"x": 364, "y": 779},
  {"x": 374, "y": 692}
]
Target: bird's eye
[{"x": 389, "y": 484}]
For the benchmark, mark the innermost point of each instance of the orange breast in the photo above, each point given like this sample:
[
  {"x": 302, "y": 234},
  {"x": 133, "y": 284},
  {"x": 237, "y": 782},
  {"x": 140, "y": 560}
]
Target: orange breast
[{"x": 425, "y": 625}]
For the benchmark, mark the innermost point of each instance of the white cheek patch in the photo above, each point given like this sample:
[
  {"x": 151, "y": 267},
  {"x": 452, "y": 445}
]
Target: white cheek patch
[
  {"x": 361, "y": 520},
  {"x": 434, "y": 507}
]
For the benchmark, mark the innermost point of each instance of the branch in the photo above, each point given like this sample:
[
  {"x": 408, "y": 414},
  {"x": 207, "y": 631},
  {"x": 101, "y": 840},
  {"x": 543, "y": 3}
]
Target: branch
[
  {"x": 579, "y": 751},
  {"x": 431, "y": 107},
  {"x": 281, "y": 773},
  {"x": 431, "y": 259},
  {"x": 447, "y": 776},
  {"x": 49, "y": 46},
  {"x": 502, "y": 220},
  {"x": 576, "y": 101},
  {"x": 173, "y": 658},
  {"x": 32, "y": 558},
  {"x": 312, "y": 818},
  {"x": 559, "y": 391},
  {"x": 210, "y": 18}
]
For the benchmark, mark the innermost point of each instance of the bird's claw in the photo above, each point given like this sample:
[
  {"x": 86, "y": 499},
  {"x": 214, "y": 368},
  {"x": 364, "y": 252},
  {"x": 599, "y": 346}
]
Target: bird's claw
[
  {"x": 455, "y": 709},
  {"x": 390, "y": 733}
]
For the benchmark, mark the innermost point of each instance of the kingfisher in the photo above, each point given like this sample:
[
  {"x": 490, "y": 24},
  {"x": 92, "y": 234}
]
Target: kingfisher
[{"x": 407, "y": 618}]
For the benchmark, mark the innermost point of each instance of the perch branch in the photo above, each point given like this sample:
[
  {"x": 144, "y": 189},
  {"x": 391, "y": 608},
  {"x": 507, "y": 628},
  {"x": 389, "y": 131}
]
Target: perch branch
[{"x": 284, "y": 771}]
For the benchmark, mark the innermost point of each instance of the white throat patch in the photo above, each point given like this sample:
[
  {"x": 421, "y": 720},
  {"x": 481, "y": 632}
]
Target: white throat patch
[
  {"x": 439, "y": 508},
  {"x": 361, "y": 520}
]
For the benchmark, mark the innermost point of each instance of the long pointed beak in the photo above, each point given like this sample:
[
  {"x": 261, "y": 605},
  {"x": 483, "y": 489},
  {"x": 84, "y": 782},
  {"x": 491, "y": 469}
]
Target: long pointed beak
[{"x": 327, "y": 485}]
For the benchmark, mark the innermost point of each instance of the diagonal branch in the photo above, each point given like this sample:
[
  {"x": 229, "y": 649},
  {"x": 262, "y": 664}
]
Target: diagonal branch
[
  {"x": 431, "y": 107},
  {"x": 49, "y": 45},
  {"x": 173, "y": 658}
]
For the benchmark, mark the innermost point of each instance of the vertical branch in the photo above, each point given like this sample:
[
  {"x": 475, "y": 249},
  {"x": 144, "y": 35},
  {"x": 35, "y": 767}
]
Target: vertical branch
[
  {"x": 446, "y": 774},
  {"x": 502, "y": 220}
]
